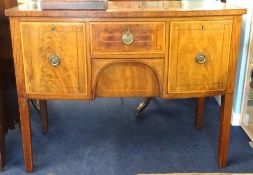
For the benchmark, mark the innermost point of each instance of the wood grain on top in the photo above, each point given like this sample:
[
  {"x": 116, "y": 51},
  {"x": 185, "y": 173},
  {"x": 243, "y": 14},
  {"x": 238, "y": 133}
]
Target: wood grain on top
[{"x": 138, "y": 9}]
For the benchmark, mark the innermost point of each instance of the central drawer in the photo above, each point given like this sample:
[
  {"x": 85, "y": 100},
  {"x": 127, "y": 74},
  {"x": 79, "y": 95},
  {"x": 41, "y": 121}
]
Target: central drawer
[{"x": 127, "y": 38}]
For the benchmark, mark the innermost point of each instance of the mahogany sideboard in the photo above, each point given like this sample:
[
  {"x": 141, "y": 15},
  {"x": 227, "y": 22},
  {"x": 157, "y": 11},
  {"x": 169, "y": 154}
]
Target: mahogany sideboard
[
  {"x": 8, "y": 96},
  {"x": 169, "y": 49}
]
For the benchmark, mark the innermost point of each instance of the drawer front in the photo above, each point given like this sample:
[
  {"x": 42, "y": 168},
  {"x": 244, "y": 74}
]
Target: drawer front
[
  {"x": 199, "y": 55},
  {"x": 54, "y": 58},
  {"x": 127, "y": 37}
]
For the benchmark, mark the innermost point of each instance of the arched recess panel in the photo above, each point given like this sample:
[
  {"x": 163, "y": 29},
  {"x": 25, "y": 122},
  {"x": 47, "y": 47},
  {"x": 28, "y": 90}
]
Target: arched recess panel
[{"x": 127, "y": 78}]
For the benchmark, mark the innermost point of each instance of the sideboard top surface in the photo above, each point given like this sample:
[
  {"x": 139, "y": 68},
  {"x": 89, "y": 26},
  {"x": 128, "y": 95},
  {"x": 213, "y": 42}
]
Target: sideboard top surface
[{"x": 137, "y": 9}]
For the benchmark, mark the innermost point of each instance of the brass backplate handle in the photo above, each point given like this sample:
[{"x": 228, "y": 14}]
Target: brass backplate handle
[
  {"x": 201, "y": 58},
  {"x": 127, "y": 37},
  {"x": 54, "y": 60}
]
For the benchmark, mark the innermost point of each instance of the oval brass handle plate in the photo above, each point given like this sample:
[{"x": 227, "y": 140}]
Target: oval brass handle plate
[
  {"x": 128, "y": 38},
  {"x": 54, "y": 60},
  {"x": 201, "y": 58}
]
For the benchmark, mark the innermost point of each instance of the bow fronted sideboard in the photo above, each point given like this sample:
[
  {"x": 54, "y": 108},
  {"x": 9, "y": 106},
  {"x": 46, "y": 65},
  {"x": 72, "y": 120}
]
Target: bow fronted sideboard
[{"x": 169, "y": 49}]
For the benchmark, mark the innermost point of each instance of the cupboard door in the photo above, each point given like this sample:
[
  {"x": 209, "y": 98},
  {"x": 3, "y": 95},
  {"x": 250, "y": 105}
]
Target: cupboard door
[
  {"x": 198, "y": 55},
  {"x": 54, "y": 58}
]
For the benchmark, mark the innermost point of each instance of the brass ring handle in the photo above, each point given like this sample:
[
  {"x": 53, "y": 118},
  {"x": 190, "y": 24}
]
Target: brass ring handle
[
  {"x": 128, "y": 37},
  {"x": 201, "y": 58},
  {"x": 54, "y": 60}
]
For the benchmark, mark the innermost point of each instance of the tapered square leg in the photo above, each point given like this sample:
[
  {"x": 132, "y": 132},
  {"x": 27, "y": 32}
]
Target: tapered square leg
[
  {"x": 225, "y": 122},
  {"x": 43, "y": 116},
  {"x": 25, "y": 122},
  {"x": 200, "y": 104}
]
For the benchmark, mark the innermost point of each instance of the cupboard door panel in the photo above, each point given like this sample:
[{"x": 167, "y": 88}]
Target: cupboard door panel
[
  {"x": 199, "y": 55},
  {"x": 54, "y": 58}
]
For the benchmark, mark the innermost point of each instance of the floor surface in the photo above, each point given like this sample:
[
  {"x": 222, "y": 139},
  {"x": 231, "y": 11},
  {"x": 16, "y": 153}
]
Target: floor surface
[{"x": 101, "y": 137}]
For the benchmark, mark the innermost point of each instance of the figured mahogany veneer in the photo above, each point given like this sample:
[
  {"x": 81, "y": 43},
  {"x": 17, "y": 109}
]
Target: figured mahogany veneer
[
  {"x": 65, "y": 40},
  {"x": 169, "y": 49},
  {"x": 124, "y": 78},
  {"x": 106, "y": 38},
  {"x": 190, "y": 38}
]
